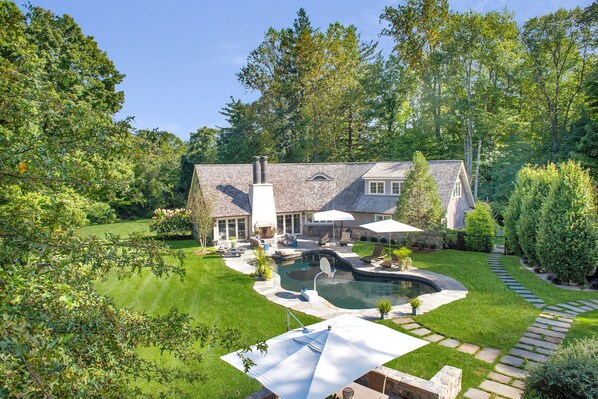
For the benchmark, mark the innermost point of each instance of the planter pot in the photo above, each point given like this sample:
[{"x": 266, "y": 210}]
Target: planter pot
[{"x": 413, "y": 311}]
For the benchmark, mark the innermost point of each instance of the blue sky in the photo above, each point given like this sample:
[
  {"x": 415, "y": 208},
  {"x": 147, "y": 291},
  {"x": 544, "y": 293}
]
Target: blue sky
[{"x": 181, "y": 57}]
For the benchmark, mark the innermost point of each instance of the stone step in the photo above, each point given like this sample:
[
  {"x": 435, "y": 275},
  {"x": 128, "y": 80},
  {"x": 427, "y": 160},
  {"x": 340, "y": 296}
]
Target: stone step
[
  {"x": 528, "y": 355},
  {"x": 532, "y": 335},
  {"x": 557, "y": 317},
  {"x": 558, "y": 309},
  {"x": 546, "y": 352},
  {"x": 524, "y": 346},
  {"x": 533, "y": 300},
  {"x": 553, "y": 322},
  {"x": 511, "y": 371},
  {"x": 539, "y": 305},
  {"x": 538, "y": 343},
  {"x": 505, "y": 379},
  {"x": 570, "y": 308},
  {"x": 594, "y": 300},
  {"x": 450, "y": 343},
  {"x": 473, "y": 393},
  {"x": 488, "y": 355},
  {"x": 511, "y": 360},
  {"x": 501, "y": 389},
  {"x": 589, "y": 304},
  {"x": 557, "y": 313}
]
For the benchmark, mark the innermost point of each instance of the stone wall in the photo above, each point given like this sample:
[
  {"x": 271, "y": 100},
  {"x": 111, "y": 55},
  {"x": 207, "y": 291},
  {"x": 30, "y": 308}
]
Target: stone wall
[{"x": 446, "y": 384}]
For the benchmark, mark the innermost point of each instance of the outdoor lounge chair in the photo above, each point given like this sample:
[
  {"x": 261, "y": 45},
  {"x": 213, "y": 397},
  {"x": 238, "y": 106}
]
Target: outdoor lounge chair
[
  {"x": 324, "y": 239},
  {"x": 394, "y": 261},
  {"x": 345, "y": 238},
  {"x": 376, "y": 254}
]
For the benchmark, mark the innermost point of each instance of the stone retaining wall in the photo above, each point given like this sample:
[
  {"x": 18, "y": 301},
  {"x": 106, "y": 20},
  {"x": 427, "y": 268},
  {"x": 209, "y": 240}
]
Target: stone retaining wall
[{"x": 446, "y": 384}]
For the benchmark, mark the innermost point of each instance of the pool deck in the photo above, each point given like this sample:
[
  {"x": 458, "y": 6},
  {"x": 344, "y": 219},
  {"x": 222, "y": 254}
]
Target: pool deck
[{"x": 450, "y": 289}]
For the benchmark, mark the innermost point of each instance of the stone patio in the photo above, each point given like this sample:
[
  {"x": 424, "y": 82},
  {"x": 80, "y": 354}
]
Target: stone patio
[{"x": 450, "y": 289}]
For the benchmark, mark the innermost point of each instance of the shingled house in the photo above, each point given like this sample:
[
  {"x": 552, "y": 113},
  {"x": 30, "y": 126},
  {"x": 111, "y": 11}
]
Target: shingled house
[{"x": 261, "y": 196}]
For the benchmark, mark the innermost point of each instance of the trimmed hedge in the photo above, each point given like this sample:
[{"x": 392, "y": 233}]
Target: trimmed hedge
[
  {"x": 513, "y": 211},
  {"x": 567, "y": 243},
  {"x": 531, "y": 205}
]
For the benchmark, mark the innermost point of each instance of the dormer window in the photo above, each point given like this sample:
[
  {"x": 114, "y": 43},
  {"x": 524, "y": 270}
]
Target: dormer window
[
  {"x": 376, "y": 187},
  {"x": 396, "y": 187},
  {"x": 320, "y": 177},
  {"x": 457, "y": 189}
]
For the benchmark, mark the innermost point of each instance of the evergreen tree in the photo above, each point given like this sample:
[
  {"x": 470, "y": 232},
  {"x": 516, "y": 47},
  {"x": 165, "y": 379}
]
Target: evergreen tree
[
  {"x": 568, "y": 230},
  {"x": 531, "y": 204},
  {"x": 480, "y": 227},
  {"x": 419, "y": 204},
  {"x": 513, "y": 212}
]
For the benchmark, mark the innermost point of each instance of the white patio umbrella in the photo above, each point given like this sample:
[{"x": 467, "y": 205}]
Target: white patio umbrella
[
  {"x": 315, "y": 362},
  {"x": 390, "y": 226},
  {"x": 333, "y": 216}
]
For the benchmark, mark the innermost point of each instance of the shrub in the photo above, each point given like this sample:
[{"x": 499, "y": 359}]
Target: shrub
[
  {"x": 479, "y": 226},
  {"x": 99, "y": 213},
  {"x": 531, "y": 204},
  {"x": 384, "y": 306},
  {"x": 363, "y": 238},
  {"x": 171, "y": 222},
  {"x": 402, "y": 252},
  {"x": 384, "y": 240},
  {"x": 415, "y": 302},
  {"x": 393, "y": 241},
  {"x": 262, "y": 264},
  {"x": 513, "y": 211},
  {"x": 567, "y": 242},
  {"x": 570, "y": 373},
  {"x": 373, "y": 239}
]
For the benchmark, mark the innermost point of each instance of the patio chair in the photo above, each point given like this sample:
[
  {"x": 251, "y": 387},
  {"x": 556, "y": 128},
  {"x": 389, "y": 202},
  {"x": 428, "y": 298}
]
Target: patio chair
[
  {"x": 255, "y": 243},
  {"x": 394, "y": 261},
  {"x": 345, "y": 238},
  {"x": 324, "y": 239},
  {"x": 376, "y": 254},
  {"x": 377, "y": 381}
]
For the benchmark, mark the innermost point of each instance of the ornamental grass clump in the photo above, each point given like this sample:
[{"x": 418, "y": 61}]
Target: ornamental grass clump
[{"x": 403, "y": 255}]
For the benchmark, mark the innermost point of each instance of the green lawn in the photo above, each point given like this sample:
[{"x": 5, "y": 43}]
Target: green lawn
[
  {"x": 584, "y": 325},
  {"x": 120, "y": 228},
  {"x": 551, "y": 294},
  {"x": 490, "y": 316}
]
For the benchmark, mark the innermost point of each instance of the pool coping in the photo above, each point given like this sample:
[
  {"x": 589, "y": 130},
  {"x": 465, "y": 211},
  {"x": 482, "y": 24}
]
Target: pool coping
[{"x": 450, "y": 289}]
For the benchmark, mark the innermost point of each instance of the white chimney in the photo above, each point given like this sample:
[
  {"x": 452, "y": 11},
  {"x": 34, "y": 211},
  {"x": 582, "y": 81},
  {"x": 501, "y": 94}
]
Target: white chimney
[{"x": 261, "y": 199}]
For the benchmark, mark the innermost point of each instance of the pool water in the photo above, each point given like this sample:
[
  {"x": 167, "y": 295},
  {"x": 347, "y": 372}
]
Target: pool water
[{"x": 346, "y": 289}]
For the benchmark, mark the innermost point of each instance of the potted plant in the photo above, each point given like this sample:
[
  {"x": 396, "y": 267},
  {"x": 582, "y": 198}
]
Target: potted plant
[
  {"x": 384, "y": 307},
  {"x": 233, "y": 242},
  {"x": 415, "y": 303},
  {"x": 262, "y": 264}
]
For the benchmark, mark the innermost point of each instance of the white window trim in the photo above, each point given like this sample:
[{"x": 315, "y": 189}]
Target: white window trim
[
  {"x": 377, "y": 182},
  {"x": 381, "y": 216},
  {"x": 310, "y": 215},
  {"x": 225, "y": 236},
  {"x": 400, "y": 183},
  {"x": 300, "y": 230},
  {"x": 457, "y": 185}
]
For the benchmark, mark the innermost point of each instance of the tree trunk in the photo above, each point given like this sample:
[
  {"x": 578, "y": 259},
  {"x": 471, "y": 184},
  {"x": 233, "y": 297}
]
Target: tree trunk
[
  {"x": 477, "y": 170},
  {"x": 350, "y": 139}
]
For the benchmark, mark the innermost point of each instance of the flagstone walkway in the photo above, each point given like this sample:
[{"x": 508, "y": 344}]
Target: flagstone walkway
[{"x": 540, "y": 340}]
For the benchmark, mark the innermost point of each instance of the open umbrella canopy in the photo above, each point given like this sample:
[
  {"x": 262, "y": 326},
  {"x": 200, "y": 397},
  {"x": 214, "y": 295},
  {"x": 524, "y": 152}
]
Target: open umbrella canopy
[
  {"x": 313, "y": 363},
  {"x": 390, "y": 226},
  {"x": 332, "y": 215}
]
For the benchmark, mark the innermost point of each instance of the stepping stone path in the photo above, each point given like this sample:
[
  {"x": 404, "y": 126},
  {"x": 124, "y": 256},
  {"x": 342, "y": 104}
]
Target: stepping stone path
[
  {"x": 535, "y": 346},
  {"x": 511, "y": 282}
]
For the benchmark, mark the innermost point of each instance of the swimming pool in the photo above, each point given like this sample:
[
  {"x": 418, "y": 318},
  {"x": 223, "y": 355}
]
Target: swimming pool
[{"x": 347, "y": 289}]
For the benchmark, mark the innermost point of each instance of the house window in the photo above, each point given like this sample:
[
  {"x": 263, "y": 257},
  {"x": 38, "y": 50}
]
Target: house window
[
  {"x": 227, "y": 229},
  {"x": 457, "y": 189},
  {"x": 396, "y": 187},
  {"x": 320, "y": 177},
  {"x": 378, "y": 218},
  {"x": 309, "y": 218},
  {"x": 377, "y": 187},
  {"x": 288, "y": 223}
]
